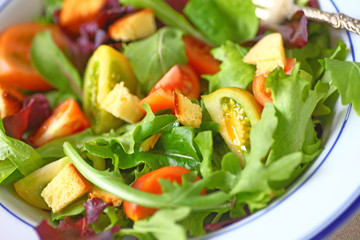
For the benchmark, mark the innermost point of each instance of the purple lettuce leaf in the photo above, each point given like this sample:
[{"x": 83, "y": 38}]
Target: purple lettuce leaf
[
  {"x": 33, "y": 113},
  {"x": 94, "y": 33},
  {"x": 71, "y": 229},
  {"x": 294, "y": 32},
  {"x": 93, "y": 208}
]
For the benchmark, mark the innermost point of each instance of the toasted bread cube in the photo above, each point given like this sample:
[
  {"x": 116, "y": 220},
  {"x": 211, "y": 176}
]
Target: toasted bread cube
[
  {"x": 10, "y": 101},
  {"x": 76, "y": 12},
  {"x": 65, "y": 188},
  {"x": 133, "y": 26},
  {"x": 188, "y": 113},
  {"x": 97, "y": 192},
  {"x": 122, "y": 104},
  {"x": 267, "y": 54}
]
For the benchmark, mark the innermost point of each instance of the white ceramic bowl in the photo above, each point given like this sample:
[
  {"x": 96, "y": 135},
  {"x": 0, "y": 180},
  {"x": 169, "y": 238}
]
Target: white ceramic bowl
[{"x": 323, "y": 198}]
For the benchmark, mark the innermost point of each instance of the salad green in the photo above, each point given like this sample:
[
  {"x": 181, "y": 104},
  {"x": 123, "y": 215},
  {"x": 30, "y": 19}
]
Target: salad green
[{"x": 283, "y": 143}]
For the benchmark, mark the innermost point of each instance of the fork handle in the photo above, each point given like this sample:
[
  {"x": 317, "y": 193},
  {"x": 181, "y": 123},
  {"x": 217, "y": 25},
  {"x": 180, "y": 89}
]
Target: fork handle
[{"x": 336, "y": 20}]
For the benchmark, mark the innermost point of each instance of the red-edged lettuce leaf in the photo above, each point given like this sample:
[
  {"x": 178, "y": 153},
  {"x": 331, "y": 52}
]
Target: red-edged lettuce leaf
[
  {"x": 34, "y": 111},
  {"x": 72, "y": 229},
  {"x": 295, "y": 32},
  {"x": 94, "y": 33},
  {"x": 93, "y": 208}
]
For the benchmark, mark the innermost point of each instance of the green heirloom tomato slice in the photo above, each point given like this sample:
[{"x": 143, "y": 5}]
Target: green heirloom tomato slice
[
  {"x": 235, "y": 110},
  {"x": 31, "y": 186},
  {"x": 104, "y": 70}
]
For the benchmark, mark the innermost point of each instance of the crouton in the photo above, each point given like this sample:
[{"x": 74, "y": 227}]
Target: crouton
[
  {"x": 188, "y": 113},
  {"x": 122, "y": 104},
  {"x": 76, "y": 12},
  {"x": 97, "y": 192},
  {"x": 65, "y": 188},
  {"x": 133, "y": 26},
  {"x": 10, "y": 101}
]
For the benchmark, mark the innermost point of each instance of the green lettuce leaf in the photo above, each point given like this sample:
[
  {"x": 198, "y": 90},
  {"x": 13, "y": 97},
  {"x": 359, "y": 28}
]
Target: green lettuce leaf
[
  {"x": 283, "y": 139},
  {"x": 223, "y": 20},
  {"x": 163, "y": 225},
  {"x": 234, "y": 72},
  {"x": 295, "y": 102},
  {"x": 22, "y": 156},
  {"x": 152, "y": 57},
  {"x": 346, "y": 77}
]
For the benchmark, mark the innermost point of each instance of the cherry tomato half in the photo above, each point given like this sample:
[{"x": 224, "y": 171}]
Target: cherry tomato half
[
  {"x": 149, "y": 183},
  {"x": 198, "y": 54},
  {"x": 261, "y": 93},
  {"x": 66, "y": 119},
  {"x": 15, "y": 61},
  {"x": 180, "y": 78}
]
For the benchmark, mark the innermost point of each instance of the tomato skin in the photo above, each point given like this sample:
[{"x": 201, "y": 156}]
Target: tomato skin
[
  {"x": 261, "y": 93},
  {"x": 198, "y": 54},
  {"x": 149, "y": 183},
  {"x": 66, "y": 119},
  {"x": 15, "y": 61},
  {"x": 180, "y": 78}
]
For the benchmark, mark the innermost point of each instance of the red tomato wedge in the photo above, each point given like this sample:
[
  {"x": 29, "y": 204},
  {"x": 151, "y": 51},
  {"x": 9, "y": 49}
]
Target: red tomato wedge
[
  {"x": 198, "y": 54},
  {"x": 149, "y": 183},
  {"x": 66, "y": 119},
  {"x": 261, "y": 93},
  {"x": 15, "y": 61},
  {"x": 180, "y": 78}
]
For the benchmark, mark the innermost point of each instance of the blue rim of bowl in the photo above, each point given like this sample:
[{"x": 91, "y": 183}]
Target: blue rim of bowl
[{"x": 326, "y": 229}]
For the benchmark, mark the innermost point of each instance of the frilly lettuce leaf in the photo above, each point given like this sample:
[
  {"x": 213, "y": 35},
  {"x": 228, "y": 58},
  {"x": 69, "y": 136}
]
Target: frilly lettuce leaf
[{"x": 234, "y": 72}]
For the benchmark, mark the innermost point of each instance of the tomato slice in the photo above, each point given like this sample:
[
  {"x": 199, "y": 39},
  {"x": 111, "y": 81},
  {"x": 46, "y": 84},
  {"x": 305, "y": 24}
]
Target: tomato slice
[
  {"x": 261, "y": 93},
  {"x": 66, "y": 119},
  {"x": 180, "y": 78},
  {"x": 149, "y": 183},
  {"x": 15, "y": 61},
  {"x": 198, "y": 54}
]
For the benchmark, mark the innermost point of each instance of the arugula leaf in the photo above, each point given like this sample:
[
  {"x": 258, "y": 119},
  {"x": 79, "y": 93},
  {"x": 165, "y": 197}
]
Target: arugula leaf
[
  {"x": 152, "y": 57},
  {"x": 346, "y": 77},
  {"x": 112, "y": 182},
  {"x": 22, "y": 156},
  {"x": 167, "y": 15},
  {"x": 234, "y": 72},
  {"x": 221, "y": 20},
  {"x": 53, "y": 65},
  {"x": 73, "y": 209}
]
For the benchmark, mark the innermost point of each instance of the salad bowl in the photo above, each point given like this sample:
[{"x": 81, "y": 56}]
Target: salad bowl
[{"x": 319, "y": 201}]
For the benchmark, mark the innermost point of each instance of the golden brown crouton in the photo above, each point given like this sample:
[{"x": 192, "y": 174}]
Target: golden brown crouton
[
  {"x": 133, "y": 26},
  {"x": 65, "y": 188},
  {"x": 97, "y": 192},
  {"x": 122, "y": 104},
  {"x": 188, "y": 113}
]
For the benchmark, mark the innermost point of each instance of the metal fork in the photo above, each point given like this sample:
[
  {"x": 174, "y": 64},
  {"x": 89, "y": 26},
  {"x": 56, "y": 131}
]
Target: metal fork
[{"x": 275, "y": 11}]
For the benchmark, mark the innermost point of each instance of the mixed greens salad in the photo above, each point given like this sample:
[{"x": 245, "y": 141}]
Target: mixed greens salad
[{"x": 162, "y": 119}]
